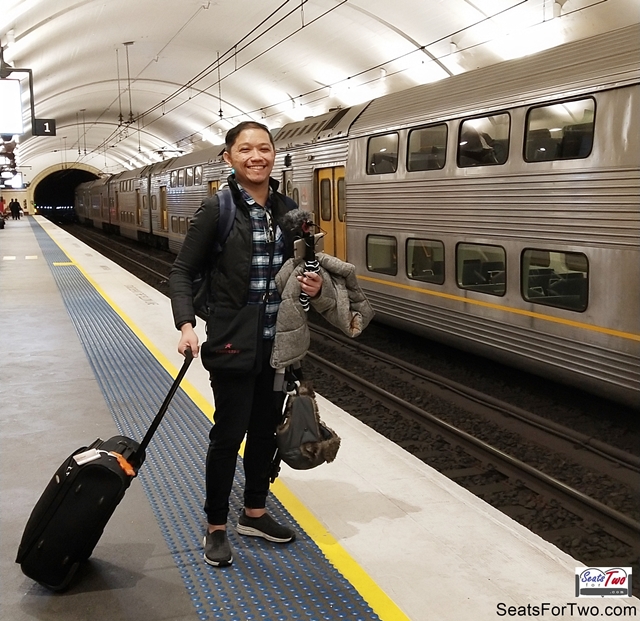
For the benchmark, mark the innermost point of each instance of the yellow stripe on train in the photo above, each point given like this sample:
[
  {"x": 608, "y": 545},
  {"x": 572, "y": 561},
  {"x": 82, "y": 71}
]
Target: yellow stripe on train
[{"x": 508, "y": 309}]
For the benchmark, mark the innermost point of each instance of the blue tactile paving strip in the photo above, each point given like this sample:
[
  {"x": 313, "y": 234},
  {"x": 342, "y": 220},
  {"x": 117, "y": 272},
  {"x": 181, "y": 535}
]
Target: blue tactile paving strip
[{"x": 266, "y": 581}]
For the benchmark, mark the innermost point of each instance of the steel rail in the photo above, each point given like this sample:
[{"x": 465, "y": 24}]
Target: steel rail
[{"x": 612, "y": 453}]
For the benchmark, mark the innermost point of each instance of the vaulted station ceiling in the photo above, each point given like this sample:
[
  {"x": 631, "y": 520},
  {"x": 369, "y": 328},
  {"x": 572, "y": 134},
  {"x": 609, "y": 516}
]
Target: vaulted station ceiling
[{"x": 129, "y": 82}]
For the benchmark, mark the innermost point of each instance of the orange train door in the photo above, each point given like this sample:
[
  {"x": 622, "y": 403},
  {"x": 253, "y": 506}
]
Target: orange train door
[{"x": 332, "y": 210}]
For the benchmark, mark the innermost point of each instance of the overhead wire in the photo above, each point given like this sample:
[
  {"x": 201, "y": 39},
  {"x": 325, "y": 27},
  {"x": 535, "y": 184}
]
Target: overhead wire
[
  {"x": 213, "y": 66},
  {"x": 355, "y": 75},
  {"x": 232, "y": 53},
  {"x": 257, "y": 56}
]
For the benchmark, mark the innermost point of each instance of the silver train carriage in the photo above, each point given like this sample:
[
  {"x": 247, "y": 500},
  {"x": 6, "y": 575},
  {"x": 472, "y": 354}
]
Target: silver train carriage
[{"x": 496, "y": 211}]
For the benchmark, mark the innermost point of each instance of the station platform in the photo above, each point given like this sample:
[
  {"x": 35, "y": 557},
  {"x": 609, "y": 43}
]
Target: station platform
[{"x": 87, "y": 351}]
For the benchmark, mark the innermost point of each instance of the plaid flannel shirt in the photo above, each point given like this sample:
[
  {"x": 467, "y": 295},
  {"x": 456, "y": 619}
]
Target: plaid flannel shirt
[{"x": 264, "y": 231}]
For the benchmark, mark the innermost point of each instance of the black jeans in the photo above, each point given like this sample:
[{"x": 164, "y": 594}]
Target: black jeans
[{"x": 245, "y": 403}]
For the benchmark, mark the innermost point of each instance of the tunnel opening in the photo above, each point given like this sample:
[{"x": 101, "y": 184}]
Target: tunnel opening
[{"x": 54, "y": 195}]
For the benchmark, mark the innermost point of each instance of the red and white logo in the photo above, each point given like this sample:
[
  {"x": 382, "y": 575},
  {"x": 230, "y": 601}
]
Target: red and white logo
[{"x": 603, "y": 581}]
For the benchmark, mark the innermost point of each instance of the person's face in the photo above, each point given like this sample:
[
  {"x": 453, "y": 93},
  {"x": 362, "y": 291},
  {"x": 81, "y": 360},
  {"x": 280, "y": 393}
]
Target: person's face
[{"x": 252, "y": 157}]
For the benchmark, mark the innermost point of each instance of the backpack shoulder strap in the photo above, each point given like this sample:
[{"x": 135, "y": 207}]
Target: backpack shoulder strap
[
  {"x": 226, "y": 218},
  {"x": 289, "y": 202}
]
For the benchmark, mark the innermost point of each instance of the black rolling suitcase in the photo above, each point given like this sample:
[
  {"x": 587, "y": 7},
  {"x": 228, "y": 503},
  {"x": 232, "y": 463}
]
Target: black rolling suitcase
[{"x": 68, "y": 519}]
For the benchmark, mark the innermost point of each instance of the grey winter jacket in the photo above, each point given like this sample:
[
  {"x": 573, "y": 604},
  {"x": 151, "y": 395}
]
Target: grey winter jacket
[{"x": 341, "y": 302}]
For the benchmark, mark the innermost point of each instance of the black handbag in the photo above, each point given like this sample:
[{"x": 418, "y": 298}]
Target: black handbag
[
  {"x": 303, "y": 440},
  {"x": 234, "y": 339}
]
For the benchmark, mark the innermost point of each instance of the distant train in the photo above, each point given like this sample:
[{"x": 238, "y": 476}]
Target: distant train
[{"x": 497, "y": 211}]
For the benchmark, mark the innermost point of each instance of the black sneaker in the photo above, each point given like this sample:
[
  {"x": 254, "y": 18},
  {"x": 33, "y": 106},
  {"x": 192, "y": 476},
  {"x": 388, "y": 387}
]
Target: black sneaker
[
  {"x": 264, "y": 526},
  {"x": 217, "y": 551}
]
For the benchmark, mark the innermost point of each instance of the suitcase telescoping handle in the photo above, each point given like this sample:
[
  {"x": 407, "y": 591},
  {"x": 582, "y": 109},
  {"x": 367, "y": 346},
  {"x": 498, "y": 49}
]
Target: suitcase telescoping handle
[{"x": 188, "y": 357}]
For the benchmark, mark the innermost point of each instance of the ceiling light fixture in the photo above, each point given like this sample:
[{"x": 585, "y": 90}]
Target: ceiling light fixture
[
  {"x": 126, "y": 47},
  {"x": 120, "y": 117},
  {"x": 219, "y": 87}
]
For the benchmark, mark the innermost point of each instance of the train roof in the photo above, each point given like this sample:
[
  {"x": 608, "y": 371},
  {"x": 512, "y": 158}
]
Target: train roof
[
  {"x": 210, "y": 154},
  {"x": 333, "y": 124},
  {"x": 598, "y": 62},
  {"x": 95, "y": 183}
]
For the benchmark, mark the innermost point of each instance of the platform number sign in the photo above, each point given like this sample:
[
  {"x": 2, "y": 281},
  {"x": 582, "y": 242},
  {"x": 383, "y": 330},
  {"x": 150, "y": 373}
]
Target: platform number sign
[{"x": 45, "y": 127}]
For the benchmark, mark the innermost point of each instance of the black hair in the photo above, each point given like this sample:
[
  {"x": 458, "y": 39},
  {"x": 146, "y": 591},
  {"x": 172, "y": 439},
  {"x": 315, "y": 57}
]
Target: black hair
[{"x": 234, "y": 132}]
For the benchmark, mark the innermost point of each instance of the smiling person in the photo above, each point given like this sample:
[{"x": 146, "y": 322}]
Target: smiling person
[{"x": 243, "y": 303}]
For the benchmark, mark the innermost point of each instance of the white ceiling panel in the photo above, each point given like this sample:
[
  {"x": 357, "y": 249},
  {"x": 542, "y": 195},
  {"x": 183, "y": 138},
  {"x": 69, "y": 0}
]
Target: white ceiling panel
[{"x": 279, "y": 61}]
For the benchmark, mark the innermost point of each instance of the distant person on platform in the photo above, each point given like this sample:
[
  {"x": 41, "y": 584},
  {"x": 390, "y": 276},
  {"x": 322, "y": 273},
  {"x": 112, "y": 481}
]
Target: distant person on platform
[{"x": 14, "y": 207}]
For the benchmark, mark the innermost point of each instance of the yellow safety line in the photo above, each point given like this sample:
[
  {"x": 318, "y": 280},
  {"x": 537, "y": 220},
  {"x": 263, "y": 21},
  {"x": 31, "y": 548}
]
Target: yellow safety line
[
  {"x": 379, "y": 601},
  {"x": 59, "y": 263},
  {"x": 567, "y": 322}
]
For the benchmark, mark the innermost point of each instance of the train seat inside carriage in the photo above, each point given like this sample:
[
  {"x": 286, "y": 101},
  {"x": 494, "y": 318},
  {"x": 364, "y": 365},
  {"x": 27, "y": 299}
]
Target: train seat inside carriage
[
  {"x": 577, "y": 141},
  {"x": 432, "y": 159},
  {"x": 570, "y": 283},
  {"x": 541, "y": 146},
  {"x": 381, "y": 163},
  {"x": 483, "y": 276},
  {"x": 433, "y": 272},
  {"x": 493, "y": 271},
  {"x": 478, "y": 272},
  {"x": 565, "y": 289},
  {"x": 538, "y": 281},
  {"x": 472, "y": 273},
  {"x": 474, "y": 149}
]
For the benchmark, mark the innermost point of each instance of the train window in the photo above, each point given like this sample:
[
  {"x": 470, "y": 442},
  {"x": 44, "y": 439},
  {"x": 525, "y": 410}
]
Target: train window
[
  {"x": 173, "y": 179},
  {"x": 382, "y": 154},
  {"x": 181, "y": 178},
  {"x": 480, "y": 267},
  {"x": 174, "y": 224},
  {"x": 342, "y": 207},
  {"x": 197, "y": 175},
  {"x": 189, "y": 177},
  {"x": 425, "y": 260},
  {"x": 554, "y": 278},
  {"x": 561, "y": 131},
  {"x": 427, "y": 148},
  {"x": 183, "y": 225},
  {"x": 382, "y": 254},
  {"x": 484, "y": 141},
  {"x": 296, "y": 196},
  {"x": 325, "y": 199}
]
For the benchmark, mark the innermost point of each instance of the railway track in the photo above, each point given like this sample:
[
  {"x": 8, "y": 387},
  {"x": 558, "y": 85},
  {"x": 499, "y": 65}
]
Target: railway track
[
  {"x": 147, "y": 265},
  {"x": 518, "y": 462}
]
